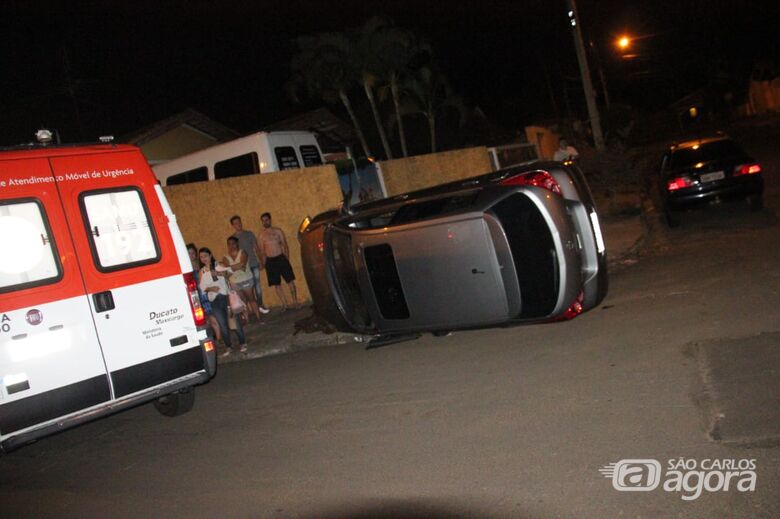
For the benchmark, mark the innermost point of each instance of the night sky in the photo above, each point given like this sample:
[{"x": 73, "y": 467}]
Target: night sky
[{"x": 112, "y": 67}]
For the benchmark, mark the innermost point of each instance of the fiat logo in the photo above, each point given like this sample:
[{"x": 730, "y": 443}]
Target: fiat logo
[{"x": 34, "y": 317}]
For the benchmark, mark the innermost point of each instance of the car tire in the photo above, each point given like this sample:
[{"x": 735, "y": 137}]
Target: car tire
[
  {"x": 177, "y": 403},
  {"x": 755, "y": 202},
  {"x": 672, "y": 218}
]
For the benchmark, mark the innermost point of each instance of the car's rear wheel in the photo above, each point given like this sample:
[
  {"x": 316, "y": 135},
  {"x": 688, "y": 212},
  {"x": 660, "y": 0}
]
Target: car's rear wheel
[
  {"x": 672, "y": 217},
  {"x": 755, "y": 202},
  {"x": 176, "y": 404}
]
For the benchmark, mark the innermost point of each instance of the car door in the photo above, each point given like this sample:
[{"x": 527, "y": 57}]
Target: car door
[
  {"x": 445, "y": 272},
  {"x": 132, "y": 274},
  {"x": 51, "y": 363}
]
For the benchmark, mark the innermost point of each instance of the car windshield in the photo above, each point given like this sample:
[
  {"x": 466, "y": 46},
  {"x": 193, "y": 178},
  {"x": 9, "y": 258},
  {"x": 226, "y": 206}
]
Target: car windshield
[{"x": 710, "y": 151}]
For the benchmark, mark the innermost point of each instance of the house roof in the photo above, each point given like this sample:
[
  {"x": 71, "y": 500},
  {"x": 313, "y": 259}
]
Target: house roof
[
  {"x": 333, "y": 134},
  {"x": 188, "y": 117}
]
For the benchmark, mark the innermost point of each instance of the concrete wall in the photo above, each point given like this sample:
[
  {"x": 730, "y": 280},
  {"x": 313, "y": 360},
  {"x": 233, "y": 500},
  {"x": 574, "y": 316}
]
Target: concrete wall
[
  {"x": 203, "y": 209},
  {"x": 419, "y": 172}
]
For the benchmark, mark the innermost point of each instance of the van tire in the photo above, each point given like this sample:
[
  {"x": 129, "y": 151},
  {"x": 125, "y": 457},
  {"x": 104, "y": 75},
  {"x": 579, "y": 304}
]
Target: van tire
[{"x": 177, "y": 403}]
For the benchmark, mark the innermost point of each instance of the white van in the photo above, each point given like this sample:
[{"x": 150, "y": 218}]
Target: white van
[
  {"x": 261, "y": 152},
  {"x": 99, "y": 309}
]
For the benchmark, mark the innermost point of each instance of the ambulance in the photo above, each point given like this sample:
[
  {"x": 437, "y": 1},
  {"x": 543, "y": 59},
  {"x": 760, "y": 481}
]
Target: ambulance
[{"x": 99, "y": 309}]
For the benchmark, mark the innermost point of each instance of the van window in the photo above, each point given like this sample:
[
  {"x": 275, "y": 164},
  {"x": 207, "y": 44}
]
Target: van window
[
  {"x": 34, "y": 259},
  {"x": 285, "y": 156},
  {"x": 310, "y": 155},
  {"x": 246, "y": 164},
  {"x": 200, "y": 174},
  {"x": 119, "y": 225}
]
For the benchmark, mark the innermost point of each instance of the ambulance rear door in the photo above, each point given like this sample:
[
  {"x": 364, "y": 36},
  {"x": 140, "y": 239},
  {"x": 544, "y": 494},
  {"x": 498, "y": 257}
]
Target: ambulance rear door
[
  {"x": 51, "y": 364},
  {"x": 131, "y": 269}
]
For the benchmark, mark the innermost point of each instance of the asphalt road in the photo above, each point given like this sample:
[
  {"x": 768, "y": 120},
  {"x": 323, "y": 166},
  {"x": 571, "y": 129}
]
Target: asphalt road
[{"x": 679, "y": 362}]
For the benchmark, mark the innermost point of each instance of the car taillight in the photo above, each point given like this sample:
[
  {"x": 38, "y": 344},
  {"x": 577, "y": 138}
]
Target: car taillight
[
  {"x": 747, "y": 169},
  {"x": 575, "y": 309},
  {"x": 678, "y": 183},
  {"x": 197, "y": 310},
  {"x": 534, "y": 178}
]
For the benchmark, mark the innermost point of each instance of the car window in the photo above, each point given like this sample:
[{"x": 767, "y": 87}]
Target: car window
[
  {"x": 285, "y": 156},
  {"x": 200, "y": 174},
  {"x": 311, "y": 156},
  {"x": 246, "y": 164},
  {"x": 716, "y": 150},
  {"x": 120, "y": 230},
  {"x": 34, "y": 260}
]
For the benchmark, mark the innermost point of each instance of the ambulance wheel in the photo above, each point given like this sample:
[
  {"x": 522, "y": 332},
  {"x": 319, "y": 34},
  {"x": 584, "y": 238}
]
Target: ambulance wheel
[{"x": 176, "y": 404}]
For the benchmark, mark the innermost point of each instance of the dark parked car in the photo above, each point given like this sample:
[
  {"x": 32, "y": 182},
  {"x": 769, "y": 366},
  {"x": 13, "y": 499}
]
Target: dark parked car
[
  {"x": 519, "y": 245},
  {"x": 706, "y": 170}
]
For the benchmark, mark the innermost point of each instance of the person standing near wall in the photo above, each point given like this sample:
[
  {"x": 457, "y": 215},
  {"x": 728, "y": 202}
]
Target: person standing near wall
[
  {"x": 274, "y": 255},
  {"x": 247, "y": 242},
  {"x": 565, "y": 152},
  {"x": 204, "y": 301},
  {"x": 214, "y": 285}
]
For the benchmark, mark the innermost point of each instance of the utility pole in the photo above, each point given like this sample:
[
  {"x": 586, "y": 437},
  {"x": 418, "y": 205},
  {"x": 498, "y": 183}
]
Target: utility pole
[
  {"x": 587, "y": 84},
  {"x": 600, "y": 66}
]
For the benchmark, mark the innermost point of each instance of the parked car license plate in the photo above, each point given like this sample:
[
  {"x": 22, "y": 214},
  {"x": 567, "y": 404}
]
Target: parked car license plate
[{"x": 710, "y": 177}]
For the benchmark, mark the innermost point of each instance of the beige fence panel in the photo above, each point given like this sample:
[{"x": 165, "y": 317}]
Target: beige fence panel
[
  {"x": 421, "y": 171},
  {"x": 203, "y": 209}
]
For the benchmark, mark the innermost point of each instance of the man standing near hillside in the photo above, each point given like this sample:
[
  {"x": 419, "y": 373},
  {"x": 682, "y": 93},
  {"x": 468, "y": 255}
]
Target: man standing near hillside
[
  {"x": 274, "y": 255},
  {"x": 247, "y": 242}
]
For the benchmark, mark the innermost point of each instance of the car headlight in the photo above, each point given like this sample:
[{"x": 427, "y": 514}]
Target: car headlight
[{"x": 304, "y": 225}]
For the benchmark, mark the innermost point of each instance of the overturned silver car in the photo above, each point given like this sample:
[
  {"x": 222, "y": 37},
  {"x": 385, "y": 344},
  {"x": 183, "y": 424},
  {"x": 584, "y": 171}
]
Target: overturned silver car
[{"x": 519, "y": 245}]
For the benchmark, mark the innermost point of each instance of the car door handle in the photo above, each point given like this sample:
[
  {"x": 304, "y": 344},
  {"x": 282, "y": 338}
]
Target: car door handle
[
  {"x": 476, "y": 271},
  {"x": 104, "y": 301}
]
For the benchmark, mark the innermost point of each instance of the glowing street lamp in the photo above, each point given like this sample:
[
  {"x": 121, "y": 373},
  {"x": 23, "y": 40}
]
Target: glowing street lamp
[{"x": 624, "y": 42}]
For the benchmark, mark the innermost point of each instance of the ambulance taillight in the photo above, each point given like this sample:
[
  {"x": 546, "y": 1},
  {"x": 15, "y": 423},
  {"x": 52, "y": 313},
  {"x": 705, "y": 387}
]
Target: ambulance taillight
[{"x": 197, "y": 310}]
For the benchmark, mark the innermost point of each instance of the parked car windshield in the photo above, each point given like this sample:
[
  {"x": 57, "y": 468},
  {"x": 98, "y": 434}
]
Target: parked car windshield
[{"x": 707, "y": 152}]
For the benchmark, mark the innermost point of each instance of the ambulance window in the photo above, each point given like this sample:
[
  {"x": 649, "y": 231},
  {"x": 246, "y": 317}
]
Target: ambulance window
[
  {"x": 246, "y": 164},
  {"x": 119, "y": 225},
  {"x": 285, "y": 156},
  {"x": 311, "y": 156},
  {"x": 33, "y": 260}
]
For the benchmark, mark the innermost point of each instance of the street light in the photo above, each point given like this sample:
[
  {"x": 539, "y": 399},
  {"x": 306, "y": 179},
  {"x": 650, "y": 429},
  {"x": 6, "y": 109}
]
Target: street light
[{"x": 624, "y": 42}]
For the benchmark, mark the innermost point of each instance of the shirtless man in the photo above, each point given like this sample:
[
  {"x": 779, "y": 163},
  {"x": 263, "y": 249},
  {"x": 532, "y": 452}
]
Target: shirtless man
[{"x": 273, "y": 252}]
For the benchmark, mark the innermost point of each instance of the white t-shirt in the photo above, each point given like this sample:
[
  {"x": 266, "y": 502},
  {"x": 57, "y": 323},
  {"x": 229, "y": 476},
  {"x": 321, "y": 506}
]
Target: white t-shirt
[
  {"x": 207, "y": 281},
  {"x": 569, "y": 153}
]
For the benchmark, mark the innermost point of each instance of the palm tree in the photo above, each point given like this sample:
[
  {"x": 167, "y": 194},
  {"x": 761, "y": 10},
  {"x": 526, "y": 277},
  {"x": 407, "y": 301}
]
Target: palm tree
[
  {"x": 431, "y": 94},
  {"x": 388, "y": 53},
  {"x": 369, "y": 44},
  {"x": 324, "y": 68}
]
